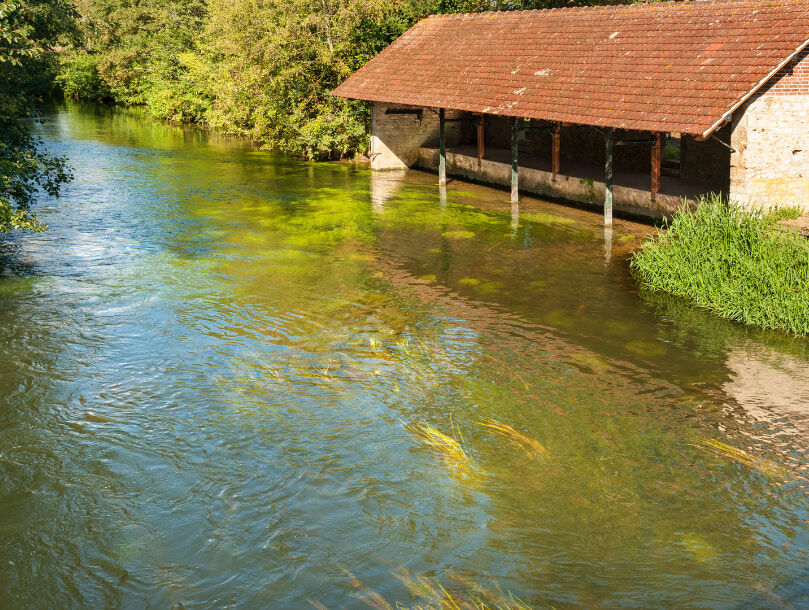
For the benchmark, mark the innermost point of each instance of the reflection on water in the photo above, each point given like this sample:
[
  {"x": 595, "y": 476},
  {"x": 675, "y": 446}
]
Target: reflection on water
[{"x": 214, "y": 362}]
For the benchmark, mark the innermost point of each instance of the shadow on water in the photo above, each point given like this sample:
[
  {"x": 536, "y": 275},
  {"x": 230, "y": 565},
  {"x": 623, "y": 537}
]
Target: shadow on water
[{"x": 216, "y": 357}]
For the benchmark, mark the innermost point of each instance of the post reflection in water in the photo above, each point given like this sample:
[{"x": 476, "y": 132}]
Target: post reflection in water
[
  {"x": 384, "y": 186},
  {"x": 220, "y": 365},
  {"x": 607, "y": 244}
]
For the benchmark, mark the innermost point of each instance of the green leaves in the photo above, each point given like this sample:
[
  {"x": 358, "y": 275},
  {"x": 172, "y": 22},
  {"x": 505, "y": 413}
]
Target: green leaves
[
  {"x": 28, "y": 30},
  {"x": 260, "y": 68}
]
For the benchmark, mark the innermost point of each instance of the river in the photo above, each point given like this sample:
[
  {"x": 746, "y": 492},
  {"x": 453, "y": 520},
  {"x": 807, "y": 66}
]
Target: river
[{"x": 218, "y": 361}]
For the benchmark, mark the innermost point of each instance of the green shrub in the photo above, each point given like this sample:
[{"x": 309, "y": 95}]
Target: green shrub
[
  {"x": 734, "y": 262},
  {"x": 79, "y": 77}
]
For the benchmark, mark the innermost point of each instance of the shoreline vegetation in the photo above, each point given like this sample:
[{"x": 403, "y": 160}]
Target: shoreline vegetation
[
  {"x": 262, "y": 70},
  {"x": 737, "y": 263},
  {"x": 28, "y": 33}
]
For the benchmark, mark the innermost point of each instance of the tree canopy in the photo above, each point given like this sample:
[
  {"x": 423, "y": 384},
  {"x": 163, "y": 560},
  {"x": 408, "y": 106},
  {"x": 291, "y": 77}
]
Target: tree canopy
[
  {"x": 262, "y": 68},
  {"x": 28, "y": 32}
]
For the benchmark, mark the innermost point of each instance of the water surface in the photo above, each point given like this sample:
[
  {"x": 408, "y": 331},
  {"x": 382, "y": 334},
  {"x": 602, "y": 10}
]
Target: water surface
[{"x": 210, "y": 359}]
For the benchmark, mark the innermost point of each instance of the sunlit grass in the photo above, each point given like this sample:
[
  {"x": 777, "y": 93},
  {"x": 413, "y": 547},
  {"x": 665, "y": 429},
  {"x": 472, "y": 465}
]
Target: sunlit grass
[
  {"x": 732, "y": 261},
  {"x": 532, "y": 448}
]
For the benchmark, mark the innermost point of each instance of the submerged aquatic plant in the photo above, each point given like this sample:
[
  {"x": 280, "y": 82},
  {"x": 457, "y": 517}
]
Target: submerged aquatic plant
[
  {"x": 447, "y": 447},
  {"x": 732, "y": 261},
  {"x": 764, "y": 466},
  {"x": 429, "y": 594},
  {"x": 533, "y": 448}
]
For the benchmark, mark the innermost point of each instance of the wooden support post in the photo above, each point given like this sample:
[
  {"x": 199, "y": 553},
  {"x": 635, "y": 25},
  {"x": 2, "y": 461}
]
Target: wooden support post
[
  {"x": 442, "y": 152},
  {"x": 515, "y": 134},
  {"x": 656, "y": 146},
  {"x": 481, "y": 134},
  {"x": 608, "y": 149},
  {"x": 555, "y": 150}
]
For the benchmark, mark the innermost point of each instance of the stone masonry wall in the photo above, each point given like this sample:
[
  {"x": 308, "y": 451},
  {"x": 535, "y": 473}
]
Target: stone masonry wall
[
  {"x": 771, "y": 140},
  {"x": 396, "y": 138}
]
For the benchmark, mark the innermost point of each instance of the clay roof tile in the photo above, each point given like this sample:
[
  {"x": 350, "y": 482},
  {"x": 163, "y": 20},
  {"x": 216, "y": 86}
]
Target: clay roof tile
[{"x": 643, "y": 66}]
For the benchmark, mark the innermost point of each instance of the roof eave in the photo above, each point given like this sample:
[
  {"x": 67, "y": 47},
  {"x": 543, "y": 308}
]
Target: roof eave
[{"x": 728, "y": 116}]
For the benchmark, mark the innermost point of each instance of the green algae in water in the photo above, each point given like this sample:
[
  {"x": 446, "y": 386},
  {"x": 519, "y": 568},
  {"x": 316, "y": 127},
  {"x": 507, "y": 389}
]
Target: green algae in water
[
  {"x": 489, "y": 287},
  {"x": 458, "y": 234},
  {"x": 547, "y": 219},
  {"x": 559, "y": 318},
  {"x": 13, "y": 285},
  {"x": 699, "y": 548},
  {"x": 469, "y": 281},
  {"x": 537, "y": 285},
  {"x": 648, "y": 349}
]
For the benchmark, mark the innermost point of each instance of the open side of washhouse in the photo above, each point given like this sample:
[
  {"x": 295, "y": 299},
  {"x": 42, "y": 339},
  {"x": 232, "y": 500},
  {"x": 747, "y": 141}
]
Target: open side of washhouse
[{"x": 637, "y": 106}]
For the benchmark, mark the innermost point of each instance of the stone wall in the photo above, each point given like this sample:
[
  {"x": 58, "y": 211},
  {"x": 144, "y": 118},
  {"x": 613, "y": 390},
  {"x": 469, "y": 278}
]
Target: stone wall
[
  {"x": 396, "y": 138},
  {"x": 771, "y": 140},
  {"x": 590, "y": 193},
  {"x": 771, "y": 162},
  {"x": 707, "y": 161}
]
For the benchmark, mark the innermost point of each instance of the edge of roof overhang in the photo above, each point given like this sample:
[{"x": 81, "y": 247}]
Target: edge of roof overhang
[{"x": 728, "y": 116}]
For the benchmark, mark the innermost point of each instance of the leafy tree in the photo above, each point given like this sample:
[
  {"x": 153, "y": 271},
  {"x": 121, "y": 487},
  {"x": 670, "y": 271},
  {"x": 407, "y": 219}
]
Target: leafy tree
[
  {"x": 262, "y": 68},
  {"x": 28, "y": 31}
]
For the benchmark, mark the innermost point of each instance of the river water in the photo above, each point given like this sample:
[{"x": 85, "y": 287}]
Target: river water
[{"x": 215, "y": 362}]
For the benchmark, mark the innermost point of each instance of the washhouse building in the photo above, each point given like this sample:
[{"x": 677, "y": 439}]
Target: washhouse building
[{"x": 639, "y": 106}]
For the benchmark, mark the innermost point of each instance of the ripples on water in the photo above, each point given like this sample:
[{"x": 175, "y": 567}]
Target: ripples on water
[{"x": 209, "y": 360}]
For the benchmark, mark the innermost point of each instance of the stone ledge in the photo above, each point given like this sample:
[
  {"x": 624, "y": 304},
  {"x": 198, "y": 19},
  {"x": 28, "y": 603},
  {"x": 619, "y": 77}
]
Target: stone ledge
[{"x": 587, "y": 191}]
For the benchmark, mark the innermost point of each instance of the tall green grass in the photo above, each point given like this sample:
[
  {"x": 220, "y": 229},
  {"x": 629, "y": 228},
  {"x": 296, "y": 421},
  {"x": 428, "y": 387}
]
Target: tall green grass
[{"x": 732, "y": 261}]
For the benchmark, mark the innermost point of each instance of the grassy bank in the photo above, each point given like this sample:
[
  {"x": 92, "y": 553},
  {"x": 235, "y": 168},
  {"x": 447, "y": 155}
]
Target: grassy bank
[{"x": 736, "y": 263}]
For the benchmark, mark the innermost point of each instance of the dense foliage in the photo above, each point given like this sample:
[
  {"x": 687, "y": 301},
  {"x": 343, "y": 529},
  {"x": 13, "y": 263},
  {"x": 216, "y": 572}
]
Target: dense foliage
[
  {"x": 732, "y": 261},
  {"x": 262, "y": 68},
  {"x": 28, "y": 30}
]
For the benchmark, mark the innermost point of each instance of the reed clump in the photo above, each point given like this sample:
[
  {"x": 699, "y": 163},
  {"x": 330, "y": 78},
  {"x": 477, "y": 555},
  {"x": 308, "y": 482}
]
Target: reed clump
[{"x": 732, "y": 261}]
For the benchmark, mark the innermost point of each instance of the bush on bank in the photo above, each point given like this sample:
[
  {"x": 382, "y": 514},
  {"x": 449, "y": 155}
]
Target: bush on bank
[
  {"x": 78, "y": 77},
  {"x": 732, "y": 261}
]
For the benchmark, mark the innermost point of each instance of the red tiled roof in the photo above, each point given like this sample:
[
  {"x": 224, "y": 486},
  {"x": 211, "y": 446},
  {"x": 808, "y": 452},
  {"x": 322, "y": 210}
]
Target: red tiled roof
[{"x": 674, "y": 66}]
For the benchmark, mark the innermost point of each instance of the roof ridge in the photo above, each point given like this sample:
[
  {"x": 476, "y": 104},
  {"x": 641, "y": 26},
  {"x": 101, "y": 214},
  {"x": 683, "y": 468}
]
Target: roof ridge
[{"x": 642, "y": 5}]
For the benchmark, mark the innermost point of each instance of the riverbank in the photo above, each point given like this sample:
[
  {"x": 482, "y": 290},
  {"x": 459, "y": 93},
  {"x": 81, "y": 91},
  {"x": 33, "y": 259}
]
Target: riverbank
[{"x": 737, "y": 263}]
